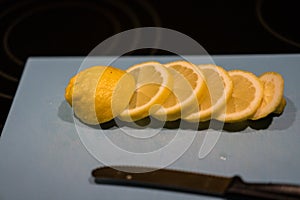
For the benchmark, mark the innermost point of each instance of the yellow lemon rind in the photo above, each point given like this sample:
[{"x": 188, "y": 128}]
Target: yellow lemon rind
[
  {"x": 281, "y": 107},
  {"x": 91, "y": 93}
]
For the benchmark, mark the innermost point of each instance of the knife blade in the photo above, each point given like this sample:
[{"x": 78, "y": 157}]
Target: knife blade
[{"x": 182, "y": 181}]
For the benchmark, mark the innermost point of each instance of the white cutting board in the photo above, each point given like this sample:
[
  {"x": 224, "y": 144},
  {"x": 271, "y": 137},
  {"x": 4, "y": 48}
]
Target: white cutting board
[{"x": 42, "y": 156}]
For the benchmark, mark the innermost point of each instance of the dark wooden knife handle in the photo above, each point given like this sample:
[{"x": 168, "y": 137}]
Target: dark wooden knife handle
[{"x": 239, "y": 188}]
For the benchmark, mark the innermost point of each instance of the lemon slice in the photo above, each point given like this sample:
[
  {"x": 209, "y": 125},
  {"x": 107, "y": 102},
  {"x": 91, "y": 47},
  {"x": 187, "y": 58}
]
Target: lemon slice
[
  {"x": 153, "y": 85},
  {"x": 100, "y": 93},
  {"x": 188, "y": 88},
  {"x": 246, "y": 97},
  {"x": 218, "y": 89},
  {"x": 273, "y": 94},
  {"x": 281, "y": 106}
]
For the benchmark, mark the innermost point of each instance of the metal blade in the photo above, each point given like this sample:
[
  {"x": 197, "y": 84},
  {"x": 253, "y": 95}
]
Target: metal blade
[{"x": 163, "y": 179}]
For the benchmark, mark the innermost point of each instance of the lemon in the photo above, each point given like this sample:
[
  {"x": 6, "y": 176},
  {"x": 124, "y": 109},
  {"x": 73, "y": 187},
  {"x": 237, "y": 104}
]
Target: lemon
[
  {"x": 188, "y": 88},
  {"x": 281, "y": 106},
  {"x": 273, "y": 94},
  {"x": 153, "y": 85},
  {"x": 98, "y": 94},
  {"x": 218, "y": 89},
  {"x": 246, "y": 97}
]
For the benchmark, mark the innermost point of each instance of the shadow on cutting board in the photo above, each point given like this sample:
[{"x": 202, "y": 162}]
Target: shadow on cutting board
[
  {"x": 65, "y": 112},
  {"x": 271, "y": 122}
]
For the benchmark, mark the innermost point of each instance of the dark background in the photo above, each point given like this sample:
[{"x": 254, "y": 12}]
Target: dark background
[{"x": 74, "y": 28}]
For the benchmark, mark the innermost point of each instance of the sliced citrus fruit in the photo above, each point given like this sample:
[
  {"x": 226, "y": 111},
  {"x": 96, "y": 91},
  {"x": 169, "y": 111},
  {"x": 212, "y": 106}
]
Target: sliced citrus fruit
[
  {"x": 188, "y": 88},
  {"x": 281, "y": 106},
  {"x": 246, "y": 97},
  {"x": 100, "y": 93},
  {"x": 218, "y": 89},
  {"x": 153, "y": 85},
  {"x": 273, "y": 84}
]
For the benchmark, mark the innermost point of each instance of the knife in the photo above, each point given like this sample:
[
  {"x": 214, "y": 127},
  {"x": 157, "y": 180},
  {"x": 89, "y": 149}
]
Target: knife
[{"x": 182, "y": 181}]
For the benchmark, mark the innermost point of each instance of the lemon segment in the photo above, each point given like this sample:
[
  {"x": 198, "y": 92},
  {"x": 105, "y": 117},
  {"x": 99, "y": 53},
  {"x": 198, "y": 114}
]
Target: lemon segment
[
  {"x": 187, "y": 90},
  {"x": 153, "y": 86},
  {"x": 246, "y": 97},
  {"x": 273, "y": 84},
  {"x": 218, "y": 89}
]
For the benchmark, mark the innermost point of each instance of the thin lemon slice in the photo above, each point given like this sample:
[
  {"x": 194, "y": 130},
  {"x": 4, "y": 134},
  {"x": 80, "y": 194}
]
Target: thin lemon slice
[
  {"x": 281, "y": 106},
  {"x": 153, "y": 86},
  {"x": 273, "y": 94},
  {"x": 218, "y": 89},
  {"x": 246, "y": 97},
  {"x": 188, "y": 88}
]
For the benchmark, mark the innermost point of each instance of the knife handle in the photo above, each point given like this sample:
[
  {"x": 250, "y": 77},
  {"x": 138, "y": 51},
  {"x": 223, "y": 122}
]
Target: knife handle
[{"x": 240, "y": 189}]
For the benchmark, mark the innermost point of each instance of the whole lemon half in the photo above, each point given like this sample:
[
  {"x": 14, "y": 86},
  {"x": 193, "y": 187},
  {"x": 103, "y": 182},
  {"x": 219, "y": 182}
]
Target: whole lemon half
[{"x": 99, "y": 93}]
